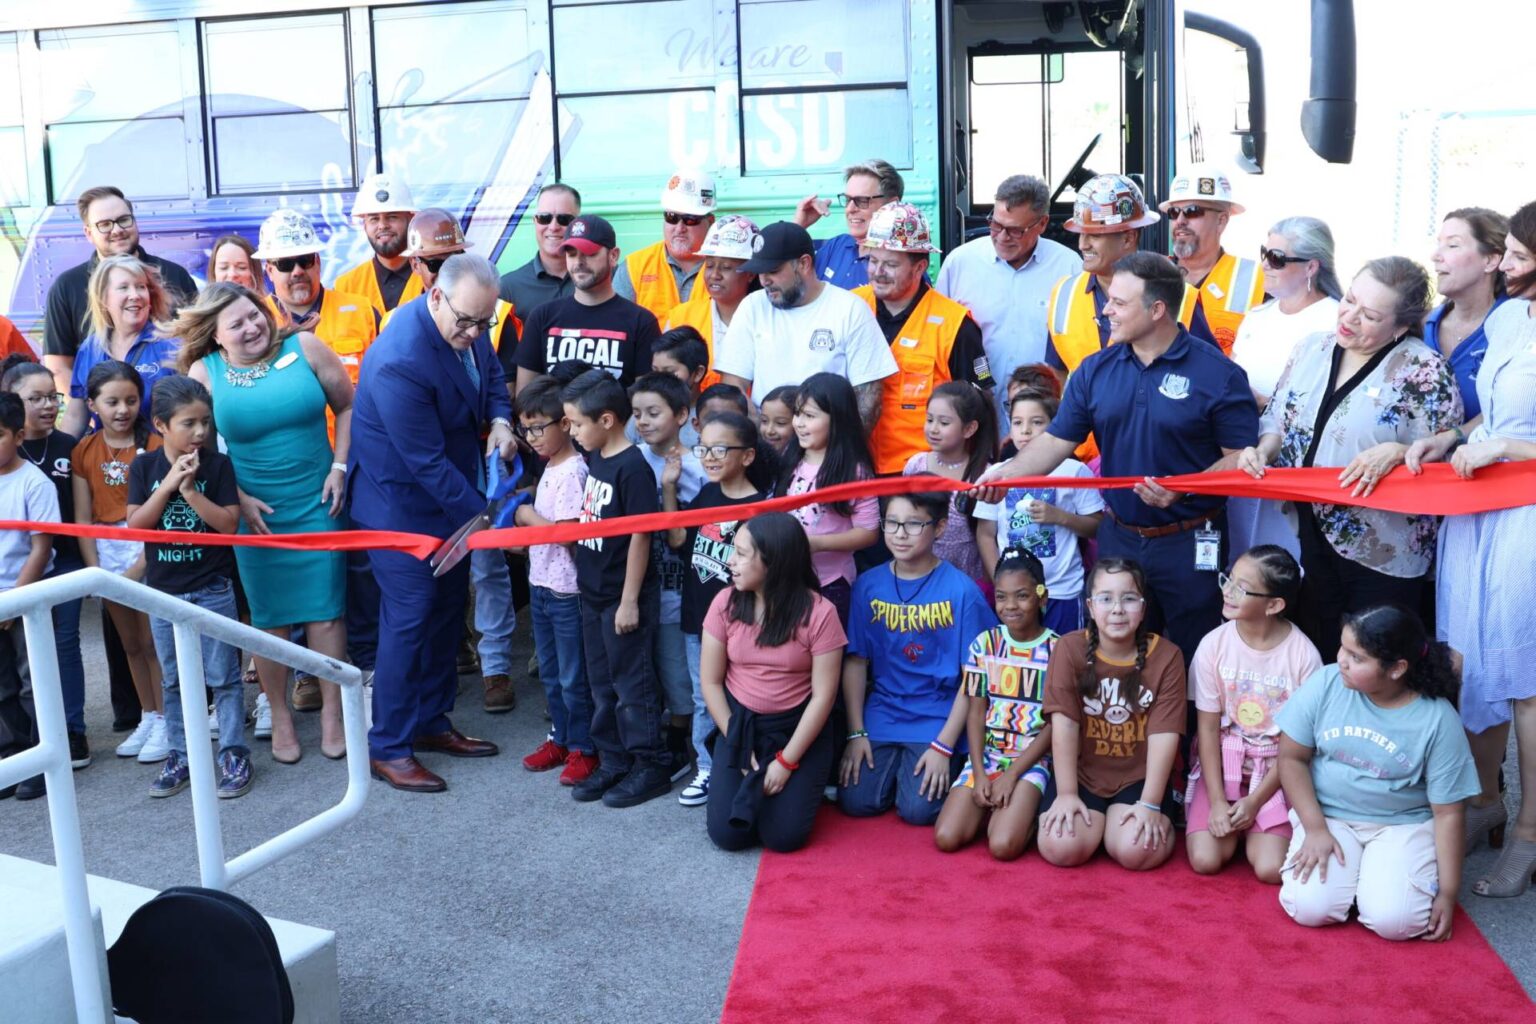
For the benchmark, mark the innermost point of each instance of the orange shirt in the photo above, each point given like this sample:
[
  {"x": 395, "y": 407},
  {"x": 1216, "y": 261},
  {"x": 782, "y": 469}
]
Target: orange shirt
[
  {"x": 13, "y": 341},
  {"x": 104, "y": 468}
]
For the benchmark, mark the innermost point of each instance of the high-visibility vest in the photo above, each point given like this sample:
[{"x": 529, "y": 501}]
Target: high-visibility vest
[
  {"x": 922, "y": 349},
  {"x": 1075, "y": 332},
  {"x": 506, "y": 315},
  {"x": 653, "y": 281},
  {"x": 699, "y": 313},
  {"x": 363, "y": 280},
  {"x": 1232, "y": 288},
  {"x": 347, "y": 326}
]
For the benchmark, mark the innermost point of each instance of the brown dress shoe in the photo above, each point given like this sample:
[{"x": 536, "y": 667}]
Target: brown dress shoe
[
  {"x": 306, "y": 693},
  {"x": 408, "y": 774},
  {"x": 498, "y": 694},
  {"x": 455, "y": 744}
]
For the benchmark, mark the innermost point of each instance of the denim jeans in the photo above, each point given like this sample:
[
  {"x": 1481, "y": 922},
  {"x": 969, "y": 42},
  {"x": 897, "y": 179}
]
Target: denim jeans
[
  {"x": 703, "y": 725},
  {"x": 562, "y": 666},
  {"x": 66, "y": 641},
  {"x": 893, "y": 782},
  {"x": 626, "y": 698},
  {"x": 672, "y": 670},
  {"x": 221, "y": 671},
  {"x": 494, "y": 618}
]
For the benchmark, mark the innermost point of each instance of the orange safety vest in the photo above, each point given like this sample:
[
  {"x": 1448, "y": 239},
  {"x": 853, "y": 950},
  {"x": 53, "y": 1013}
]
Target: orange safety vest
[
  {"x": 1232, "y": 288},
  {"x": 922, "y": 350},
  {"x": 347, "y": 326},
  {"x": 506, "y": 315},
  {"x": 699, "y": 313},
  {"x": 1075, "y": 332},
  {"x": 653, "y": 281},
  {"x": 362, "y": 280}
]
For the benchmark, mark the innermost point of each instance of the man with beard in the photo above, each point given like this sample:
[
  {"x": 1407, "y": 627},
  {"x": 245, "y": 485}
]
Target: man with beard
[
  {"x": 1198, "y": 207},
  {"x": 665, "y": 273},
  {"x": 593, "y": 323},
  {"x": 384, "y": 209},
  {"x": 932, "y": 337},
  {"x": 799, "y": 325}
]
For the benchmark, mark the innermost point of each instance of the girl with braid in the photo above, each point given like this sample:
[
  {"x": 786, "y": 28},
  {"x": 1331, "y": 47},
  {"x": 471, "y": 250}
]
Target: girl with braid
[{"x": 1115, "y": 694}]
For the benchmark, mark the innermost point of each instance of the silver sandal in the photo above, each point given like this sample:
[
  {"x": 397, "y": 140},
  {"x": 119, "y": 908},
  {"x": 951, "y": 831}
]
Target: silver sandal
[
  {"x": 1491, "y": 820},
  {"x": 1511, "y": 873}
]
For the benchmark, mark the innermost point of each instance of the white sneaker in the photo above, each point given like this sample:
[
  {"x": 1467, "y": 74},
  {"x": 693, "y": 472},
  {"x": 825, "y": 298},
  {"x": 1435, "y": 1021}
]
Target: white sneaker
[
  {"x": 131, "y": 746},
  {"x": 213, "y": 725},
  {"x": 157, "y": 746},
  {"x": 263, "y": 726},
  {"x": 696, "y": 793},
  {"x": 368, "y": 699}
]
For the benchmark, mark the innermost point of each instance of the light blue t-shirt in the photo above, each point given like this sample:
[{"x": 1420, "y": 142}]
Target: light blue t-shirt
[
  {"x": 1375, "y": 764},
  {"x": 915, "y": 635},
  {"x": 667, "y": 564}
]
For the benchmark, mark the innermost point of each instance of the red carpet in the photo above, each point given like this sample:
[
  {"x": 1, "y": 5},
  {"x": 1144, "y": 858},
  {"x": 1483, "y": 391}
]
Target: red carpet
[{"x": 871, "y": 924}]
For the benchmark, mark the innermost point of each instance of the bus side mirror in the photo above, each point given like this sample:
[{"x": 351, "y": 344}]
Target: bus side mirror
[
  {"x": 1328, "y": 115},
  {"x": 1249, "y": 118}
]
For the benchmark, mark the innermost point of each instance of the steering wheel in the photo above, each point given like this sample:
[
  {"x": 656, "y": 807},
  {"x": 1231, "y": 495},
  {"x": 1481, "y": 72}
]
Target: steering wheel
[{"x": 1073, "y": 177}]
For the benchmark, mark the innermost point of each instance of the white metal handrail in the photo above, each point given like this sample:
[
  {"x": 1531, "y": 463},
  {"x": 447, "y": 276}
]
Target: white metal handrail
[{"x": 34, "y": 605}]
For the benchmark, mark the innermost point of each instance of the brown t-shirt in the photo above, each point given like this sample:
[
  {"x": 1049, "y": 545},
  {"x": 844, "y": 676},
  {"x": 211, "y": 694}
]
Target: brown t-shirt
[
  {"x": 1112, "y": 743},
  {"x": 104, "y": 468}
]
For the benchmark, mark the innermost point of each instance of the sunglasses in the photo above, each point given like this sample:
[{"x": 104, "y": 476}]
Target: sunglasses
[
  {"x": 1276, "y": 260},
  {"x": 434, "y": 263},
  {"x": 1191, "y": 212},
  {"x": 286, "y": 264},
  {"x": 685, "y": 219},
  {"x": 563, "y": 219}
]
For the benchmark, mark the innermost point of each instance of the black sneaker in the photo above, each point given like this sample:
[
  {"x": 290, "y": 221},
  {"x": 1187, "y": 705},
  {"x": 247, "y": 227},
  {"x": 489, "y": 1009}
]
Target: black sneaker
[
  {"x": 31, "y": 789},
  {"x": 79, "y": 751},
  {"x": 644, "y": 782},
  {"x": 680, "y": 765},
  {"x": 595, "y": 785}
]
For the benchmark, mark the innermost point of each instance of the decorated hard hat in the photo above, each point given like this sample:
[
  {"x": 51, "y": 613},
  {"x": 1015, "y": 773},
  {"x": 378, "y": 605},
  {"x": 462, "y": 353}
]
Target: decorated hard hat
[
  {"x": 382, "y": 193},
  {"x": 1201, "y": 183},
  {"x": 434, "y": 232},
  {"x": 690, "y": 193},
  {"x": 286, "y": 232},
  {"x": 729, "y": 238},
  {"x": 1107, "y": 204},
  {"x": 899, "y": 227}
]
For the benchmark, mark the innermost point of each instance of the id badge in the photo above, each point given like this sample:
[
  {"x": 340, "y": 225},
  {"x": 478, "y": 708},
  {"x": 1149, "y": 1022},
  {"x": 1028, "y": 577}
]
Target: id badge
[{"x": 1207, "y": 549}]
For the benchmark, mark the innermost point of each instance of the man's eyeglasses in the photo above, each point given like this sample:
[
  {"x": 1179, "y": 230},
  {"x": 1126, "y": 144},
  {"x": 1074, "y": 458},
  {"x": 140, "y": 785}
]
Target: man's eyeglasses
[
  {"x": 43, "y": 401},
  {"x": 859, "y": 202},
  {"x": 532, "y": 431},
  {"x": 1129, "y": 602},
  {"x": 909, "y": 528},
  {"x": 686, "y": 219},
  {"x": 563, "y": 219},
  {"x": 464, "y": 323},
  {"x": 1276, "y": 260},
  {"x": 104, "y": 227},
  {"x": 1190, "y": 212},
  {"x": 1230, "y": 585},
  {"x": 287, "y": 263},
  {"x": 1014, "y": 234},
  {"x": 718, "y": 451}
]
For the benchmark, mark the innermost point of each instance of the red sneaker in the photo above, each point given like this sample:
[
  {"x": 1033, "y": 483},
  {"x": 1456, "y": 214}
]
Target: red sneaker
[
  {"x": 577, "y": 767},
  {"x": 549, "y": 755}
]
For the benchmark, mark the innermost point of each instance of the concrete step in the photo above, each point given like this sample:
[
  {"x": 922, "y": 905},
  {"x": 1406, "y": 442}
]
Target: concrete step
[{"x": 34, "y": 964}]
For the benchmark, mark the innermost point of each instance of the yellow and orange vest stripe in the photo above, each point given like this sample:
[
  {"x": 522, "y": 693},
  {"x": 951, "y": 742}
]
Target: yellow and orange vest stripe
[
  {"x": 651, "y": 275},
  {"x": 699, "y": 313},
  {"x": 922, "y": 350},
  {"x": 362, "y": 280},
  {"x": 1232, "y": 288}
]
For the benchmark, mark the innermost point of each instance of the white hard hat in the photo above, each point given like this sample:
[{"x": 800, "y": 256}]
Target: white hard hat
[
  {"x": 899, "y": 227},
  {"x": 1201, "y": 183},
  {"x": 286, "y": 232},
  {"x": 729, "y": 238},
  {"x": 382, "y": 193},
  {"x": 690, "y": 193}
]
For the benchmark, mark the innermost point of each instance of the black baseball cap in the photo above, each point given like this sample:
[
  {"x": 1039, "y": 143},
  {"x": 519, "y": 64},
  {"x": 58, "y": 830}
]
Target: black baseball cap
[
  {"x": 590, "y": 234},
  {"x": 778, "y": 243}
]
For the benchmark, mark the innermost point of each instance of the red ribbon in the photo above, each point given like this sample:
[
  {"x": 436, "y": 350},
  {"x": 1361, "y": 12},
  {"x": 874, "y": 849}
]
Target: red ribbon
[{"x": 1438, "y": 492}]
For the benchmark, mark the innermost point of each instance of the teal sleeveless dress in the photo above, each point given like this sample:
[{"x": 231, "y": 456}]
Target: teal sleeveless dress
[{"x": 276, "y": 435}]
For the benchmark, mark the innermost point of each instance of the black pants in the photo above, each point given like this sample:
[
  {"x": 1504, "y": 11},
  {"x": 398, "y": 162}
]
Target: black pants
[
  {"x": 18, "y": 715},
  {"x": 783, "y": 821},
  {"x": 125, "y": 699},
  {"x": 1333, "y": 586},
  {"x": 626, "y": 695}
]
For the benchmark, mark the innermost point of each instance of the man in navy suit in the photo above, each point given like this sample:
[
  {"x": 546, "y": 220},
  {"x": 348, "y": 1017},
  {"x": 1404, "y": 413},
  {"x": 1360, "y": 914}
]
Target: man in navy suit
[{"x": 429, "y": 386}]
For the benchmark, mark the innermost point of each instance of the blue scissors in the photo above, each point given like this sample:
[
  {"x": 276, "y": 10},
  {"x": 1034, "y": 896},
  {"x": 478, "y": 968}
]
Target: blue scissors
[{"x": 502, "y": 502}]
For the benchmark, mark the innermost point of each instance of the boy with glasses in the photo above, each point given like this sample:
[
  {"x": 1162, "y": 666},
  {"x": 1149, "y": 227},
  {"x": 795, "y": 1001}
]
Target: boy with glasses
[
  {"x": 665, "y": 273},
  {"x": 911, "y": 622}
]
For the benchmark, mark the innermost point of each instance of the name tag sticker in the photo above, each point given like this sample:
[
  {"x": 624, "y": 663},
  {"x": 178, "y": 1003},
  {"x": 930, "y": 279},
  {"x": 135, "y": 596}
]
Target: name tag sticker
[
  {"x": 1215, "y": 290},
  {"x": 1373, "y": 392},
  {"x": 1207, "y": 549},
  {"x": 348, "y": 309},
  {"x": 936, "y": 320},
  {"x": 908, "y": 343},
  {"x": 286, "y": 361}
]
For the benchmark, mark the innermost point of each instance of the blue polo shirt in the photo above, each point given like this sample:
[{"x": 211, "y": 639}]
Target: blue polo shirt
[
  {"x": 152, "y": 355},
  {"x": 1171, "y": 417},
  {"x": 1466, "y": 359},
  {"x": 839, "y": 262}
]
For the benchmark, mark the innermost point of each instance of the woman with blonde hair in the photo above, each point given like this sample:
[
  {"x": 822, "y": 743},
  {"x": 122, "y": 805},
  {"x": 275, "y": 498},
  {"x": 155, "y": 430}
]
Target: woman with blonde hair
[
  {"x": 127, "y": 300},
  {"x": 270, "y": 393}
]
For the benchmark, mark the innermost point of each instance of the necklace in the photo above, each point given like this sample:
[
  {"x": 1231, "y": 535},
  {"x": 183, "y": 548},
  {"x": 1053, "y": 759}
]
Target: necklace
[
  {"x": 896, "y": 584},
  {"x": 246, "y": 377},
  {"x": 38, "y": 462},
  {"x": 115, "y": 471},
  {"x": 948, "y": 465}
]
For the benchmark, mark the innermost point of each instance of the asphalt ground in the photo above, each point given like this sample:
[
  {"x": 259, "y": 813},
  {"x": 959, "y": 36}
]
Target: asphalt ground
[{"x": 500, "y": 900}]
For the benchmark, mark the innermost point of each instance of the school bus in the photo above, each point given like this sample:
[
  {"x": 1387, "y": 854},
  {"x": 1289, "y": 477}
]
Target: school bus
[{"x": 209, "y": 115}]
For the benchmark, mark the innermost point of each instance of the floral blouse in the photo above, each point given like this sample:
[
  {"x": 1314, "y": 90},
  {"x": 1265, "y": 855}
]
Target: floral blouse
[{"x": 1409, "y": 394}]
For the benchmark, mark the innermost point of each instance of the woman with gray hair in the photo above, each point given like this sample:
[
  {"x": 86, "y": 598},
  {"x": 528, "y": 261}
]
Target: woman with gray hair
[{"x": 1303, "y": 287}]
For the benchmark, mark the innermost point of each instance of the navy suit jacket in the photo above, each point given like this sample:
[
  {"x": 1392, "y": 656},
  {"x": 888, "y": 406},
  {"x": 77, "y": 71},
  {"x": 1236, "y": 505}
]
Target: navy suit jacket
[{"x": 417, "y": 427}]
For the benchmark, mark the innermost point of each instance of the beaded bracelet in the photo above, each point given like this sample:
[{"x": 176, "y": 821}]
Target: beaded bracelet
[
  {"x": 785, "y": 763},
  {"x": 941, "y": 748},
  {"x": 858, "y": 734}
]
